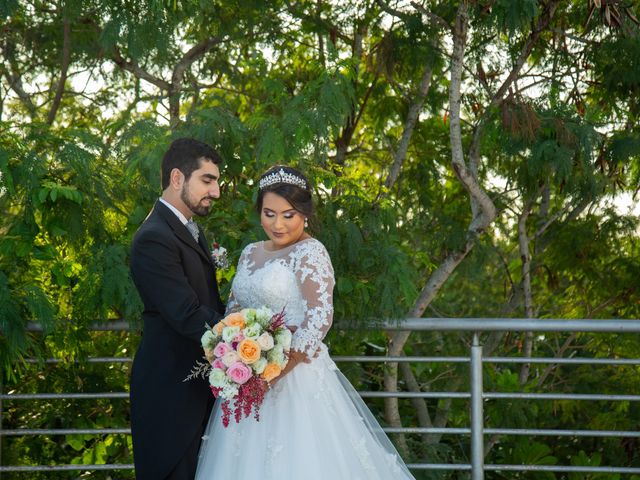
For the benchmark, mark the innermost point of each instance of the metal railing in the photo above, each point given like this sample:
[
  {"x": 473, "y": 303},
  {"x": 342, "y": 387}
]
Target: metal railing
[{"x": 476, "y": 394}]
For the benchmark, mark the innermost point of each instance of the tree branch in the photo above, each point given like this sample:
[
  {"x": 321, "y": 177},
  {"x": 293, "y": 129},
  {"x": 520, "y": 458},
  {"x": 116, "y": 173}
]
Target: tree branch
[
  {"x": 64, "y": 69},
  {"x": 435, "y": 18},
  {"x": 14, "y": 77},
  {"x": 483, "y": 209},
  {"x": 525, "y": 258},
  {"x": 140, "y": 73},
  {"x": 420, "y": 406},
  {"x": 559, "y": 354},
  {"x": 409, "y": 126},
  {"x": 177, "y": 77},
  {"x": 536, "y": 32},
  {"x": 344, "y": 140},
  {"x": 329, "y": 27}
]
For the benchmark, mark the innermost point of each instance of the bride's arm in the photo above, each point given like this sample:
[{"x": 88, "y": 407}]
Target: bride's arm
[{"x": 315, "y": 274}]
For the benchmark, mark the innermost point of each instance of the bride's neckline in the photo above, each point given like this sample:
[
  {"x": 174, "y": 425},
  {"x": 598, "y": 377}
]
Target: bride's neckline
[{"x": 283, "y": 249}]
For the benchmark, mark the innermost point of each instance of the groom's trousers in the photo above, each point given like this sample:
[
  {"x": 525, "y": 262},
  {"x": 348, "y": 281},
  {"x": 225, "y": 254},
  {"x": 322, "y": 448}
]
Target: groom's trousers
[{"x": 186, "y": 467}]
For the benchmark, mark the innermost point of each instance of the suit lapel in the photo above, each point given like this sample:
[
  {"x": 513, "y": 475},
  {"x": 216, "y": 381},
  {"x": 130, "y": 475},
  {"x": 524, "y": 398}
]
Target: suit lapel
[
  {"x": 202, "y": 241},
  {"x": 182, "y": 232}
]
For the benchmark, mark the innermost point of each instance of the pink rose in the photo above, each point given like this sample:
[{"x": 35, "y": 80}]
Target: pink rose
[
  {"x": 239, "y": 373},
  {"x": 218, "y": 363},
  {"x": 220, "y": 349}
]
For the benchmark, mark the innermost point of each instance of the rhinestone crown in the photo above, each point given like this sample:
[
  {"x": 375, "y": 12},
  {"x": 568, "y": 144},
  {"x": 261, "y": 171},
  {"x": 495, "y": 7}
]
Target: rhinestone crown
[{"x": 281, "y": 176}]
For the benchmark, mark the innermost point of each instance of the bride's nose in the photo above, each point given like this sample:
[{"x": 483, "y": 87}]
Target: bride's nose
[{"x": 277, "y": 221}]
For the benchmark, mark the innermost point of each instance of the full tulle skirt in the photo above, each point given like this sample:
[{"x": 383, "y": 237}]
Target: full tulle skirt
[{"x": 313, "y": 425}]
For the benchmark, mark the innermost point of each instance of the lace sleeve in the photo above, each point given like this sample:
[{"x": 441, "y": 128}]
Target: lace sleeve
[{"x": 315, "y": 274}]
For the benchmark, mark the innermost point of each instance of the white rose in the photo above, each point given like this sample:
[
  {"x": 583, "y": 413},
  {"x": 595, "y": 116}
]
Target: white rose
[
  {"x": 283, "y": 338},
  {"x": 207, "y": 339},
  {"x": 265, "y": 341},
  {"x": 249, "y": 314},
  {"x": 276, "y": 355},
  {"x": 252, "y": 330},
  {"x": 229, "y": 333},
  {"x": 217, "y": 378},
  {"x": 230, "y": 358},
  {"x": 263, "y": 315},
  {"x": 259, "y": 365}
]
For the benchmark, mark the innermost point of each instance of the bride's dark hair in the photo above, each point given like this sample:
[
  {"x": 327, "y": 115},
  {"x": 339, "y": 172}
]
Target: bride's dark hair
[{"x": 289, "y": 183}]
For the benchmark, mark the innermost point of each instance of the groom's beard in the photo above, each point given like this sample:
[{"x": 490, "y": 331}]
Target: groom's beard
[{"x": 197, "y": 208}]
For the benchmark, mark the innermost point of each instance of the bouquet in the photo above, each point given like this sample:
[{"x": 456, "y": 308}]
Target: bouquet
[{"x": 244, "y": 352}]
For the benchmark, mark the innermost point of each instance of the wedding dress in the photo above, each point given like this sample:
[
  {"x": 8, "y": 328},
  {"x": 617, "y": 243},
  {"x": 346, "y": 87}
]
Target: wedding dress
[{"x": 313, "y": 424}]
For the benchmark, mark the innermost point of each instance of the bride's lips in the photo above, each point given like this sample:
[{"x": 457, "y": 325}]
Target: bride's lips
[{"x": 277, "y": 235}]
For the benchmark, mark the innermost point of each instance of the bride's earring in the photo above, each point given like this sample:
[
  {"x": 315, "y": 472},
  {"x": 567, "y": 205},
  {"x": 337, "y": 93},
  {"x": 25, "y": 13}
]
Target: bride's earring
[{"x": 306, "y": 222}]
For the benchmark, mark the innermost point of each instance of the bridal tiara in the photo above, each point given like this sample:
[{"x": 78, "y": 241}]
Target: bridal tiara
[{"x": 281, "y": 176}]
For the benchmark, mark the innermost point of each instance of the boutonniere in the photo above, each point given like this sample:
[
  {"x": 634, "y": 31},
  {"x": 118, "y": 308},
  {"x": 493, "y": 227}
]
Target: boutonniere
[{"x": 219, "y": 256}]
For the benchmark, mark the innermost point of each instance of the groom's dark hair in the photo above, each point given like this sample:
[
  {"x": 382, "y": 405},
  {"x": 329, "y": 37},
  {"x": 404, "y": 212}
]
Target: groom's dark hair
[{"x": 185, "y": 154}]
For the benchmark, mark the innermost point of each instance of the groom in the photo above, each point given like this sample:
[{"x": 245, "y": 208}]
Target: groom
[{"x": 176, "y": 278}]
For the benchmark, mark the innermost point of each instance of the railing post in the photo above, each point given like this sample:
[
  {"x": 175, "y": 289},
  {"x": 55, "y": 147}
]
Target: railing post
[
  {"x": 1, "y": 392},
  {"x": 477, "y": 413}
]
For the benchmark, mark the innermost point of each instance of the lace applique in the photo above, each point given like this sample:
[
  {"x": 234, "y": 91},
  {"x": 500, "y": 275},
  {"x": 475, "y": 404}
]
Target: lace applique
[
  {"x": 274, "y": 450},
  {"x": 360, "y": 448}
]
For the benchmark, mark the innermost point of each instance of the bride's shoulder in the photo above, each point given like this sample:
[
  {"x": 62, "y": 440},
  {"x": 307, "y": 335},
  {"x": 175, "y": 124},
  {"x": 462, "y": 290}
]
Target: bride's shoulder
[
  {"x": 249, "y": 249},
  {"x": 312, "y": 247}
]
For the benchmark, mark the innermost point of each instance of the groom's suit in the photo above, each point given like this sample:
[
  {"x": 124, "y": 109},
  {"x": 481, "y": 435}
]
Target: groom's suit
[{"x": 176, "y": 280}]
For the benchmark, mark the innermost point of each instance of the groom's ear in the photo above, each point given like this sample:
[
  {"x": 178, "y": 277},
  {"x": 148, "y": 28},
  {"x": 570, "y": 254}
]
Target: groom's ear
[{"x": 176, "y": 179}]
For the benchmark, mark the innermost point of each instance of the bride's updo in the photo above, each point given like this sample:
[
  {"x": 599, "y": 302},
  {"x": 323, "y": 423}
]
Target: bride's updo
[{"x": 289, "y": 183}]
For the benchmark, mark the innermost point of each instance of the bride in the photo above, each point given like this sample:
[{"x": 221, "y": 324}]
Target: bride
[{"x": 313, "y": 424}]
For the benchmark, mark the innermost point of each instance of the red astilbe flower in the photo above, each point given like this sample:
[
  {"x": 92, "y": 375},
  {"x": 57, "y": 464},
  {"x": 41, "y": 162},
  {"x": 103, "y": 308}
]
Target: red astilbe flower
[
  {"x": 250, "y": 397},
  {"x": 226, "y": 413},
  {"x": 277, "y": 321}
]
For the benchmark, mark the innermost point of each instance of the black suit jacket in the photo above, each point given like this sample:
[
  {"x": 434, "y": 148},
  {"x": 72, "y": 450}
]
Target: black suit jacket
[{"x": 176, "y": 279}]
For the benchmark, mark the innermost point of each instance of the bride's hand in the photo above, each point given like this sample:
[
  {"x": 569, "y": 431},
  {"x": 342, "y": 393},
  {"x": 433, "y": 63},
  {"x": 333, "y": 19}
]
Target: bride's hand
[{"x": 295, "y": 358}]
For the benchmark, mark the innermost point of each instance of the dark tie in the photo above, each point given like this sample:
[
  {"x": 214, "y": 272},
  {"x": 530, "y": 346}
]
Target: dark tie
[{"x": 193, "y": 229}]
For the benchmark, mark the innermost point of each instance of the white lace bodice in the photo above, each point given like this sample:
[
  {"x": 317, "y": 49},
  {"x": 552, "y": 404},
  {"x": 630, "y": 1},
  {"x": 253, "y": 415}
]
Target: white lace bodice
[{"x": 298, "y": 278}]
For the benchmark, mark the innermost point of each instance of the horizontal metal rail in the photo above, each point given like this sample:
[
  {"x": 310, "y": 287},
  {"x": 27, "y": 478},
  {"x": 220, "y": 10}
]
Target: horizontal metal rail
[
  {"x": 412, "y": 466},
  {"x": 476, "y": 395},
  {"x": 62, "y": 396},
  {"x": 464, "y": 395},
  {"x": 408, "y": 430},
  {"x": 88, "y": 360},
  {"x": 65, "y": 468},
  {"x": 560, "y": 468},
  {"x": 395, "y": 359},
  {"x": 523, "y": 468},
  {"x": 540, "y": 432},
  {"x": 442, "y": 325},
  {"x": 65, "y": 431}
]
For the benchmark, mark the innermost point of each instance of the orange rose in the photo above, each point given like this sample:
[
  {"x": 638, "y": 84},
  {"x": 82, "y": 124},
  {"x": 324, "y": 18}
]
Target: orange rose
[
  {"x": 234, "y": 320},
  {"x": 271, "y": 371},
  {"x": 209, "y": 354},
  {"x": 249, "y": 351},
  {"x": 217, "y": 328}
]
